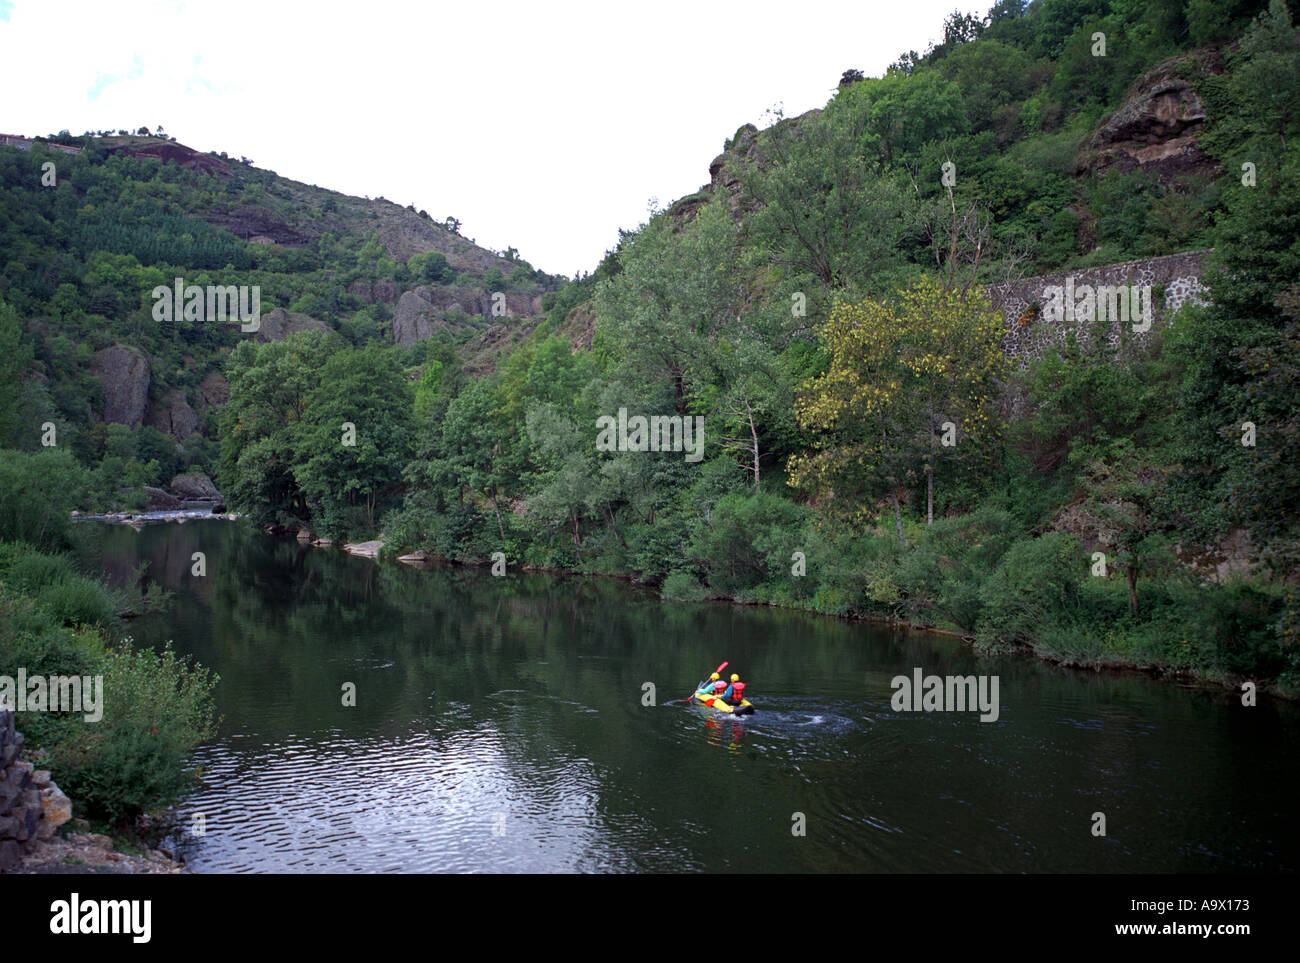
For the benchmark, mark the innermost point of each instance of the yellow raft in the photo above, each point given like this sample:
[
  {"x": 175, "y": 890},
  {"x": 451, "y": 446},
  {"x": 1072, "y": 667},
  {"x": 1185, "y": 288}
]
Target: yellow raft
[{"x": 713, "y": 702}]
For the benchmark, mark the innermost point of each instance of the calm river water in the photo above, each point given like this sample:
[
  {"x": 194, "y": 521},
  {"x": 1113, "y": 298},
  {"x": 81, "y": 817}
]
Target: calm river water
[{"x": 499, "y": 726}]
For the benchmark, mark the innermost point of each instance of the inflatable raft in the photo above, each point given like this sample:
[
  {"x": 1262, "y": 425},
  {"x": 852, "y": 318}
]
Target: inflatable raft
[{"x": 713, "y": 702}]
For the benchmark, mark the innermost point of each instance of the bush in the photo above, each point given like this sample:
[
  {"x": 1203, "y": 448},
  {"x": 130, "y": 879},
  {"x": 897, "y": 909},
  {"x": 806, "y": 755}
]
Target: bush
[
  {"x": 77, "y": 600},
  {"x": 683, "y": 587},
  {"x": 947, "y": 571},
  {"x": 748, "y": 540},
  {"x": 156, "y": 709},
  {"x": 38, "y": 492},
  {"x": 1034, "y": 584}
]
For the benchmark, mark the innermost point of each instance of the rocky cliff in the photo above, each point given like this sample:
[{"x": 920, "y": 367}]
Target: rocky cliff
[{"x": 1155, "y": 129}]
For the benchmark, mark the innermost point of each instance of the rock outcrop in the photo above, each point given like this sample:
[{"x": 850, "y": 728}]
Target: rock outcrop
[
  {"x": 421, "y": 312},
  {"x": 383, "y": 291},
  {"x": 1156, "y": 127},
  {"x": 278, "y": 324},
  {"x": 170, "y": 152},
  {"x": 174, "y": 416},
  {"x": 250, "y": 222},
  {"x": 214, "y": 390},
  {"x": 124, "y": 373}
]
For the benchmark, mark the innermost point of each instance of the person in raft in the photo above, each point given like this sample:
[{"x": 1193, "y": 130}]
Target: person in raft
[
  {"x": 707, "y": 688},
  {"x": 735, "y": 693}
]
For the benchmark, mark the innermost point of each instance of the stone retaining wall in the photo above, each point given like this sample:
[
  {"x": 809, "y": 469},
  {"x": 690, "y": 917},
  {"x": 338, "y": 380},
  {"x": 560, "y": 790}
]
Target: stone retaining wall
[
  {"x": 31, "y": 806},
  {"x": 1175, "y": 280}
]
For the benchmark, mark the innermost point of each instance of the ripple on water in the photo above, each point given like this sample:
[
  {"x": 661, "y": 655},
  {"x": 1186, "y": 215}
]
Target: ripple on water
[{"x": 416, "y": 803}]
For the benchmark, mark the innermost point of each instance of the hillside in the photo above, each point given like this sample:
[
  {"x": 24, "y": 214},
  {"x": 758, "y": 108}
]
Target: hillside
[
  {"x": 896, "y": 411},
  {"x": 130, "y": 212}
]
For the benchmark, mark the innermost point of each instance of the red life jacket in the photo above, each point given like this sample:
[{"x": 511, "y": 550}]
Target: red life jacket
[
  {"x": 737, "y": 692},
  {"x": 719, "y": 687}
]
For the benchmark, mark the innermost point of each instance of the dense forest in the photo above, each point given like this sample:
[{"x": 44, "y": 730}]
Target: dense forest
[{"x": 822, "y": 304}]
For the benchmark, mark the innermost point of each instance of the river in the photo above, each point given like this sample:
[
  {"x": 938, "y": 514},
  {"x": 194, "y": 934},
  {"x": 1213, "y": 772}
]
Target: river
[{"x": 501, "y": 725}]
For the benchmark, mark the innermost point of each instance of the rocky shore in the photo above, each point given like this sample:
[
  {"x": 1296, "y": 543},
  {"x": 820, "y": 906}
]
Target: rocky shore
[{"x": 34, "y": 814}]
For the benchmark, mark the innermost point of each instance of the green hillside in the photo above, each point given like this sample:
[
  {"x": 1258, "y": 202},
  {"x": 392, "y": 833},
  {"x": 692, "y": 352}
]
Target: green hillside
[{"x": 821, "y": 304}]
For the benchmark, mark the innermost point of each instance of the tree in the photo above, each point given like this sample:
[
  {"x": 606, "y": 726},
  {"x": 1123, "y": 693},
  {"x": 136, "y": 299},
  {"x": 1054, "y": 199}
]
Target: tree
[
  {"x": 676, "y": 292},
  {"x": 270, "y": 385},
  {"x": 826, "y": 218},
  {"x": 1125, "y": 496},
  {"x": 355, "y": 436},
  {"x": 903, "y": 378},
  {"x": 568, "y": 487},
  {"x": 467, "y": 457},
  {"x": 1269, "y": 496},
  {"x": 1253, "y": 109}
]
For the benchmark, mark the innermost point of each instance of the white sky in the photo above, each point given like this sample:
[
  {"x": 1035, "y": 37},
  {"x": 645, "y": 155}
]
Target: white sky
[{"x": 545, "y": 126}]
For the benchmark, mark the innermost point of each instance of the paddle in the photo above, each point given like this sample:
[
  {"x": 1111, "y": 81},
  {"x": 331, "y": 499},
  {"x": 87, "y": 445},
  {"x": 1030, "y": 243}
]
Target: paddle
[{"x": 692, "y": 695}]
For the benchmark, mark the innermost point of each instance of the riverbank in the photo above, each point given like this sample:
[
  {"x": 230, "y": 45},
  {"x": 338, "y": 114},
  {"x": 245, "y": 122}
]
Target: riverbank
[
  {"x": 1117, "y": 662},
  {"x": 82, "y": 851}
]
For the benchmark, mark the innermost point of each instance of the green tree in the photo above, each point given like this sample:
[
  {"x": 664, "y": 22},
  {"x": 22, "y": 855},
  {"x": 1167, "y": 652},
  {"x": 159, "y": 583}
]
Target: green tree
[
  {"x": 270, "y": 386},
  {"x": 340, "y": 467},
  {"x": 902, "y": 378}
]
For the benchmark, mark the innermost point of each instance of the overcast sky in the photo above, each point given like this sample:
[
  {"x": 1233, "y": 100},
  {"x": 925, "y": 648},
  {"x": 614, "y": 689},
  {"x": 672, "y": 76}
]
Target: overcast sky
[{"x": 543, "y": 126}]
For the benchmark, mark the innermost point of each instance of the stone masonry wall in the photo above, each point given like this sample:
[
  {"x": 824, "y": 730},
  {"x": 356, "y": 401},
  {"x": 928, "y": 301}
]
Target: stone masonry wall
[
  {"x": 1175, "y": 279},
  {"x": 31, "y": 806}
]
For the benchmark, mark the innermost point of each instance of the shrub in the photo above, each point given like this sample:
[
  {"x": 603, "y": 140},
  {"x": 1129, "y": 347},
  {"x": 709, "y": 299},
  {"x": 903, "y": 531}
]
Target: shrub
[
  {"x": 157, "y": 708},
  {"x": 683, "y": 587},
  {"x": 1035, "y": 583},
  {"x": 38, "y": 492},
  {"x": 748, "y": 540}
]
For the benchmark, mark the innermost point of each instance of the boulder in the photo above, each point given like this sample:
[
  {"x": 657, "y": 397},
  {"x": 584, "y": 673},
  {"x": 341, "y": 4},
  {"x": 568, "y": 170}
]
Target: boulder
[
  {"x": 160, "y": 501},
  {"x": 11, "y": 854},
  {"x": 124, "y": 373},
  {"x": 57, "y": 807},
  {"x": 279, "y": 324},
  {"x": 195, "y": 486},
  {"x": 364, "y": 549}
]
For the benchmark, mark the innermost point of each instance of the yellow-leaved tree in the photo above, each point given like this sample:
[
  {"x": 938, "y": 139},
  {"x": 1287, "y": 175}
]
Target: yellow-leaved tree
[{"x": 910, "y": 382}]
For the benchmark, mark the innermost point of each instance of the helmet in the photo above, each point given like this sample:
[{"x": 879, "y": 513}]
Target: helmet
[
  {"x": 714, "y": 677},
  {"x": 734, "y": 677}
]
